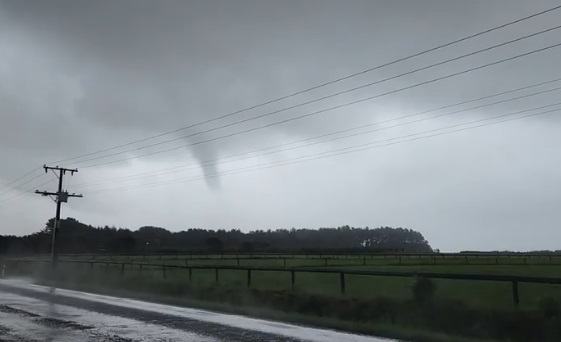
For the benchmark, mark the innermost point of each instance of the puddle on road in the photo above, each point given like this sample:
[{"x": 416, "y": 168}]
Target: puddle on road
[
  {"x": 23, "y": 329},
  {"x": 165, "y": 329},
  {"x": 32, "y": 320}
]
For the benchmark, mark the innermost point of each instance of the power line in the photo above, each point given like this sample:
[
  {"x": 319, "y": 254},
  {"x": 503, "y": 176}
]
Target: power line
[
  {"x": 350, "y": 149},
  {"x": 320, "y": 85},
  {"x": 291, "y": 161},
  {"x": 21, "y": 185},
  {"x": 28, "y": 191},
  {"x": 18, "y": 179},
  {"x": 236, "y": 123},
  {"x": 213, "y": 161},
  {"x": 328, "y": 109},
  {"x": 510, "y": 114},
  {"x": 331, "y": 133}
]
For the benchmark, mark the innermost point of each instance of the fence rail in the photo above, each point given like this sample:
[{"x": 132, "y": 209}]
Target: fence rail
[
  {"x": 513, "y": 279},
  {"x": 333, "y": 259},
  {"x": 339, "y": 255}
]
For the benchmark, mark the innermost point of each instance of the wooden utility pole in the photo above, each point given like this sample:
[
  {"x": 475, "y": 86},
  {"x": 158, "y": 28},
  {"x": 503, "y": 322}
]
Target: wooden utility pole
[{"x": 59, "y": 197}]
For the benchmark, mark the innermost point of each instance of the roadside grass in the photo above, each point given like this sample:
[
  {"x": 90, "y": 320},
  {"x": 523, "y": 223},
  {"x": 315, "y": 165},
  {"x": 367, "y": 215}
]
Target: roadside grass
[
  {"x": 257, "y": 310},
  {"x": 383, "y": 306},
  {"x": 479, "y": 294},
  {"x": 404, "y": 318}
]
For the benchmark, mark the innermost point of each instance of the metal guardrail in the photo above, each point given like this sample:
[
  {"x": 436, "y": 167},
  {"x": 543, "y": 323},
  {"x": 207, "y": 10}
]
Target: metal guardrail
[{"x": 513, "y": 279}]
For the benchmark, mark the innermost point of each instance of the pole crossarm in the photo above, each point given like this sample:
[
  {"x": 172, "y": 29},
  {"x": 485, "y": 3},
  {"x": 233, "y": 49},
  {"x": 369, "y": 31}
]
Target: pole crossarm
[
  {"x": 60, "y": 169},
  {"x": 46, "y": 193}
]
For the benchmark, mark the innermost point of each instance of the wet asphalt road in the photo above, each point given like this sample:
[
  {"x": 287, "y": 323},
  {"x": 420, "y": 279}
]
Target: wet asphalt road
[{"x": 30, "y": 313}]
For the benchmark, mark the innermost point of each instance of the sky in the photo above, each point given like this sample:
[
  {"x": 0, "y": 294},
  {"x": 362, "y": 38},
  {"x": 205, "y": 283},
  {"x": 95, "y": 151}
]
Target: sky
[{"x": 148, "y": 100}]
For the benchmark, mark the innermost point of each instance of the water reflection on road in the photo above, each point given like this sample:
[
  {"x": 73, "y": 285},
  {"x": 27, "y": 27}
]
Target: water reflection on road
[{"x": 30, "y": 313}]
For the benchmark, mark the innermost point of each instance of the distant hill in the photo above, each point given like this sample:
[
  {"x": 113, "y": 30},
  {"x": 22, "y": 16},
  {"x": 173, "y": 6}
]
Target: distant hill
[
  {"x": 545, "y": 252},
  {"x": 77, "y": 237}
]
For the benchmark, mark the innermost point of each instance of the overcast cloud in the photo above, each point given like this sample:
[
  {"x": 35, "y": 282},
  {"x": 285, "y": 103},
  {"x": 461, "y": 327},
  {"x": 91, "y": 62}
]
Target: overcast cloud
[{"x": 80, "y": 76}]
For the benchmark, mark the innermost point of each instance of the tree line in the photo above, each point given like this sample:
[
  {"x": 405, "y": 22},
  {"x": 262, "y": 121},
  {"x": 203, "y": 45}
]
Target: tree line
[{"x": 76, "y": 237}]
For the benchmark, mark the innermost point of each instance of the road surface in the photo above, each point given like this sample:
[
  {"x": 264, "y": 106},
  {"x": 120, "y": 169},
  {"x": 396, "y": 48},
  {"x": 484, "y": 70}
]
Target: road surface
[{"x": 32, "y": 313}]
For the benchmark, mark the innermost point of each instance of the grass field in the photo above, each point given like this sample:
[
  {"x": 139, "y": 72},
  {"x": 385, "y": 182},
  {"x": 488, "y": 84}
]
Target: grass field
[
  {"x": 477, "y": 293},
  {"x": 381, "y": 305}
]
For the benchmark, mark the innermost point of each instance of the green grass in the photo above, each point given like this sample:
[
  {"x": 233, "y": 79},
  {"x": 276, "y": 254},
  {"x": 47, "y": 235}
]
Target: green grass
[
  {"x": 372, "y": 304},
  {"x": 485, "y": 294},
  {"x": 477, "y": 293}
]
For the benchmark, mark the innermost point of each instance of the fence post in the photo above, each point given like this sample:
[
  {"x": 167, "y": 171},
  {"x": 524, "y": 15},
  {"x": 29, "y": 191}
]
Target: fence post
[
  {"x": 190, "y": 274},
  {"x": 91, "y": 265},
  {"x": 248, "y": 278},
  {"x": 342, "y": 279},
  {"x": 515, "y": 295},
  {"x": 399, "y": 259},
  {"x": 284, "y": 262},
  {"x": 293, "y": 279},
  {"x": 216, "y": 276},
  {"x": 364, "y": 261},
  {"x": 164, "y": 271},
  {"x": 140, "y": 269},
  {"x": 325, "y": 261},
  {"x": 186, "y": 262},
  {"x": 238, "y": 261},
  {"x": 122, "y": 268}
]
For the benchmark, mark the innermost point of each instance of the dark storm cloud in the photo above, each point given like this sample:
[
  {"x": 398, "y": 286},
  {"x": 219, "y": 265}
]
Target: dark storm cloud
[
  {"x": 150, "y": 67},
  {"x": 78, "y": 76}
]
